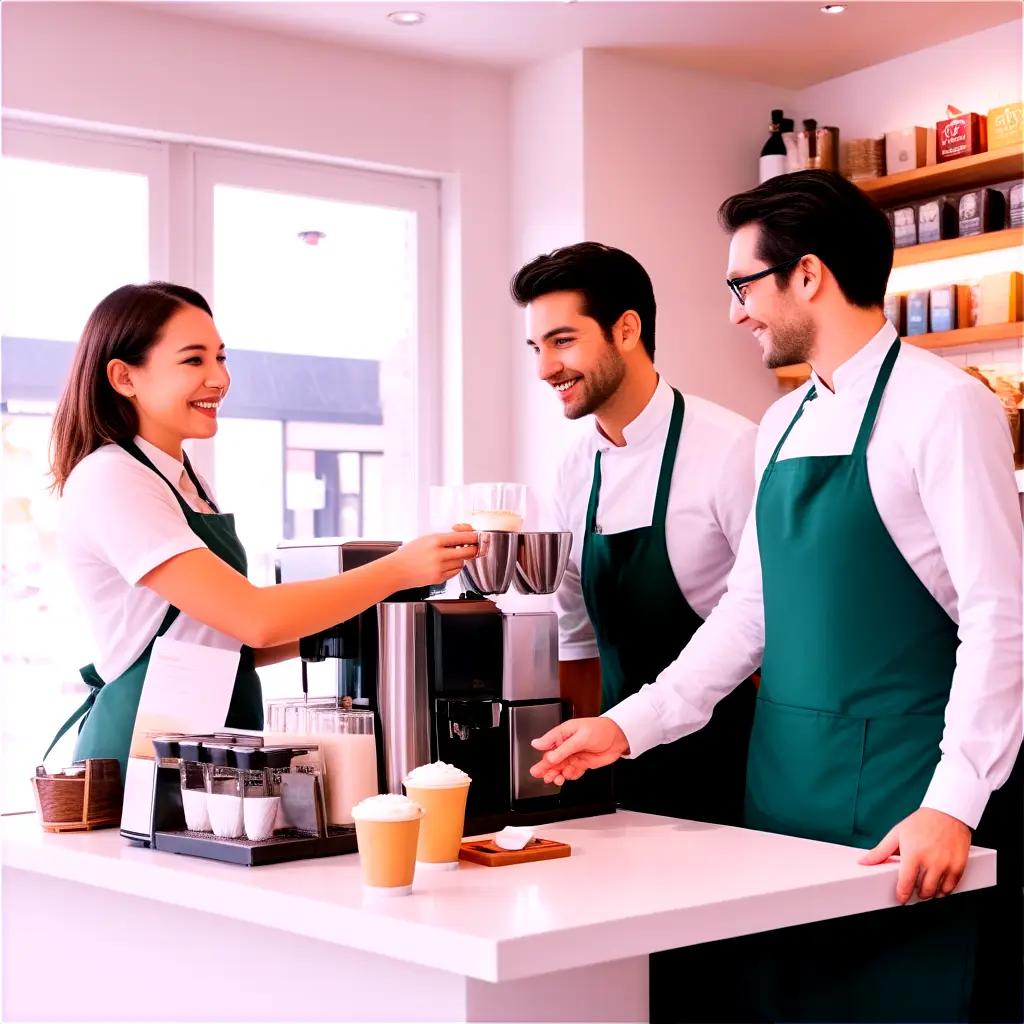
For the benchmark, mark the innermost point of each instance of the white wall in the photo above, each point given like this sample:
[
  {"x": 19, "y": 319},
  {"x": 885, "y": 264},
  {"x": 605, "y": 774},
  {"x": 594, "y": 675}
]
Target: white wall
[
  {"x": 974, "y": 73},
  {"x": 104, "y": 64},
  {"x": 614, "y": 149},
  {"x": 547, "y": 212},
  {"x": 664, "y": 147}
]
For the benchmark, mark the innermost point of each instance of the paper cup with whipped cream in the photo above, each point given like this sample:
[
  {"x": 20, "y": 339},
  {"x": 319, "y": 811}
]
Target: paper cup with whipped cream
[
  {"x": 387, "y": 828},
  {"x": 441, "y": 790}
]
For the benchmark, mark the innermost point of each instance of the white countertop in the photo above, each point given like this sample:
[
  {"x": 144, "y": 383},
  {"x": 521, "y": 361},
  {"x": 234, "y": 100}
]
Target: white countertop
[{"x": 634, "y": 883}]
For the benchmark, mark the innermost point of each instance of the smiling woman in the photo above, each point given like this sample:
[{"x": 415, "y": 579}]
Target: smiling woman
[{"x": 148, "y": 550}]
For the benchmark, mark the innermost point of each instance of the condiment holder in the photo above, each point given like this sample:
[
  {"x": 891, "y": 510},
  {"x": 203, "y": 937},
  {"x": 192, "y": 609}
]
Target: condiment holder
[
  {"x": 85, "y": 796},
  {"x": 233, "y": 798}
]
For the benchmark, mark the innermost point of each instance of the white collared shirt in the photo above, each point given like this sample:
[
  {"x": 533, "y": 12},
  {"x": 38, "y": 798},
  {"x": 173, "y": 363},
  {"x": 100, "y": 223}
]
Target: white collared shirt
[
  {"x": 941, "y": 474},
  {"x": 118, "y": 521},
  {"x": 711, "y": 494}
]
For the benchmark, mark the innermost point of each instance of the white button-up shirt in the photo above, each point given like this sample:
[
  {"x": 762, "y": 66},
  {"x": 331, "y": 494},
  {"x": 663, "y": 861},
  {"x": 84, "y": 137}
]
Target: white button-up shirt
[
  {"x": 941, "y": 473},
  {"x": 118, "y": 521},
  {"x": 711, "y": 494}
]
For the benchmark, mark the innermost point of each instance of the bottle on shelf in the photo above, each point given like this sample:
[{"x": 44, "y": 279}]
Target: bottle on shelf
[{"x": 773, "y": 154}]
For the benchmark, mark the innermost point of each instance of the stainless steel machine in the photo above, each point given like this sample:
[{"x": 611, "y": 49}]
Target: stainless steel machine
[{"x": 459, "y": 680}]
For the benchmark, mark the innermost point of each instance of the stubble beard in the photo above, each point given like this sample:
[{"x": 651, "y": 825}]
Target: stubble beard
[
  {"x": 791, "y": 343},
  {"x": 598, "y": 386}
]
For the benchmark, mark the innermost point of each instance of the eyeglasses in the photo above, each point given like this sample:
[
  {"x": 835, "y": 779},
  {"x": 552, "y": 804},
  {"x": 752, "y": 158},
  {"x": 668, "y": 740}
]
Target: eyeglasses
[{"x": 737, "y": 284}]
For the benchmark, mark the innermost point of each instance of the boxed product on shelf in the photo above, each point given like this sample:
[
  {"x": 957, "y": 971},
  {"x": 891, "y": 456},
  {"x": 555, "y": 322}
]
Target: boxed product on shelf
[
  {"x": 982, "y": 210},
  {"x": 906, "y": 149},
  {"x": 1006, "y": 125},
  {"x": 904, "y": 226},
  {"x": 936, "y": 219},
  {"x": 949, "y": 307},
  {"x": 960, "y": 135},
  {"x": 999, "y": 298},
  {"x": 917, "y": 313},
  {"x": 895, "y": 309},
  {"x": 1016, "y": 205},
  {"x": 865, "y": 158}
]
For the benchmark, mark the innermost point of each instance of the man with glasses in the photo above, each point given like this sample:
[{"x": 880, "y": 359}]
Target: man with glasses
[
  {"x": 656, "y": 496},
  {"x": 879, "y": 583}
]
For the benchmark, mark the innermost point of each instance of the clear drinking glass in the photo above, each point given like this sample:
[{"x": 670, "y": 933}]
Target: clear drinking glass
[
  {"x": 499, "y": 507},
  {"x": 348, "y": 748}
]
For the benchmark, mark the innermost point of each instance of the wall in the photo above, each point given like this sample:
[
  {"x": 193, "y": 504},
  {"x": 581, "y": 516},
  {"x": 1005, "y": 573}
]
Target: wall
[
  {"x": 547, "y": 212},
  {"x": 143, "y": 71},
  {"x": 664, "y": 147},
  {"x": 976, "y": 73}
]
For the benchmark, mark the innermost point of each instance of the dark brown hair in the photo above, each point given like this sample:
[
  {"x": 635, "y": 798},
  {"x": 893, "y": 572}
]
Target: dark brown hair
[
  {"x": 609, "y": 281},
  {"x": 818, "y": 213},
  {"x": 125, "y": 326}
]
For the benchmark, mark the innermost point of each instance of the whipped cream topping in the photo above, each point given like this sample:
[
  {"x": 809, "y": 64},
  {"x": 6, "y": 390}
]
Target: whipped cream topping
[
  {"x": 386, "y": 807},
  {"x": 437, "y": 776}
]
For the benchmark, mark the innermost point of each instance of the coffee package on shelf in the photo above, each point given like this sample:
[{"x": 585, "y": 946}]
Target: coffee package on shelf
[
  {"x": 960, "y": 135},
  {"x": 904, "y": 226},
  {"x": 1006, "y": 126},
  {"x": 1017, "y": 205},
  {"x": 936, "y": 219},
  {"x": 917, "y": 313},
  {"x": 949, "y": 307},
  {"x": 895, "y": 309},
  {"x": 999, "y": 300},
  {"x": 982, "y": 210},
  {"x": 906, "y": 149}
]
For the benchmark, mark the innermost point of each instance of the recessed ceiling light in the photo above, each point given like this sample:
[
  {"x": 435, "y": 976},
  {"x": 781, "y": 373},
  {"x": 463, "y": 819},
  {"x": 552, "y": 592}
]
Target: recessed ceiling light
[
  {"x": 407, "y": 17},
  {"x": 833, "y": 8}
]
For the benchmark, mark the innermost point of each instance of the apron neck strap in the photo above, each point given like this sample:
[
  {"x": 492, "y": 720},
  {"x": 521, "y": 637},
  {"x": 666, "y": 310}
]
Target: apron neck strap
[
  {"x": 197, "y": 485},
  {"x": 811, "y": 395},
  {"x": 668, "y": 463},
  {"x": 668, "y": 459},
  {"x": 871, "y": 412},
  {"x": 595, "y": 493},
  {"x": 136, "y": 453}
]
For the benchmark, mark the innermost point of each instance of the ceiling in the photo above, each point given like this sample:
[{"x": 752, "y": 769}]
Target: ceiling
[{"x": 788, "y": 44}]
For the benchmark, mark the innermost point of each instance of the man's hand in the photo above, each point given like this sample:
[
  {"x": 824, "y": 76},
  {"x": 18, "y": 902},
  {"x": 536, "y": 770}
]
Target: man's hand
[
  {"x": 933, "y": 849},
  {"x": 577, "y": 745}
]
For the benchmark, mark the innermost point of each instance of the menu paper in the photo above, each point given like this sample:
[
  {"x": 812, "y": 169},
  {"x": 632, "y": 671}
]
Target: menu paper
[{"x": 187, "y": 689}]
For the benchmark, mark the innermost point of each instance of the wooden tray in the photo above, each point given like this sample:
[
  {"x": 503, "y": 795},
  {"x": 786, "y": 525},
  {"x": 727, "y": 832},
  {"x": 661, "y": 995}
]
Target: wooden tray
[{"x": 484, "y": 851}]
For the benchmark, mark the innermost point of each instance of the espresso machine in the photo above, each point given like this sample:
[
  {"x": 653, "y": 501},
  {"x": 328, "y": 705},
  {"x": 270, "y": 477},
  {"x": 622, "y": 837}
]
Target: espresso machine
[{"x": 459, "y": 680}]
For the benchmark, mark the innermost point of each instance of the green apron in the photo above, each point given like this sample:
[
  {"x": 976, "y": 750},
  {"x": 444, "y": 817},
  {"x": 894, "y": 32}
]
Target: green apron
[
  {"x": 642, "y": 621},
  {"x": 858, "y": 664},
  {"x": 108, "y": 713}
]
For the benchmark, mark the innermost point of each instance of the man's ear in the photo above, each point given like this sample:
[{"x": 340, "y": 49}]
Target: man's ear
[
  {"x": 119, "y": 373},
  {"x": 809, "y": 277},
  {"x": 629, "y": 330}
]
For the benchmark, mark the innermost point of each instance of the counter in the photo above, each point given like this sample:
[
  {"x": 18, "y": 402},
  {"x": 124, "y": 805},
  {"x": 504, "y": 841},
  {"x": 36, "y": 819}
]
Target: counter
[{"x": 132, "y": 934}]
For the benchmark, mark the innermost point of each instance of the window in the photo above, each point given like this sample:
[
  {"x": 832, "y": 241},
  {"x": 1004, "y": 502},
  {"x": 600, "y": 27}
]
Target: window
[
  {"x": 77, "y": 224},
  {"x": 324, "y": 285}
]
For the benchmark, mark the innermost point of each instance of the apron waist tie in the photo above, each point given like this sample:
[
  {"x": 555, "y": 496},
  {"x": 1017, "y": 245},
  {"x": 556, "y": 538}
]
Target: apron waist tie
[{"x": 95, "y": 684}]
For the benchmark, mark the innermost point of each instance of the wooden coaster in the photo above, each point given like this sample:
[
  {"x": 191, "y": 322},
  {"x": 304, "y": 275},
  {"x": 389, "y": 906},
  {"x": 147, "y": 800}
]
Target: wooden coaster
[{"x": 484, "y": 851}]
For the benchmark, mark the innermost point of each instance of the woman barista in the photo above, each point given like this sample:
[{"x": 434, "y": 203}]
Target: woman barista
[{"x": 148, "y": 550}]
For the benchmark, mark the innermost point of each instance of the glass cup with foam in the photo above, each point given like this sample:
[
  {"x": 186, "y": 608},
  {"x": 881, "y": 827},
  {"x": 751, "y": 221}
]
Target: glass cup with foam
[
  {"x": 441, "y": 790},
  {"x": 497, "y": 508},
  {"x": 387, "y": 830}
]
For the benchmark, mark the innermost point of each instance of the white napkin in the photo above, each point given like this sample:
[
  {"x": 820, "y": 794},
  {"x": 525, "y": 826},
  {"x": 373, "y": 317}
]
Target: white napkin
[{"x": 513, "y": 837}]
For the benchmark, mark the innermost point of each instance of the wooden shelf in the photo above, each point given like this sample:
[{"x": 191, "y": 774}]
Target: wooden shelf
[
  {"x": 955, "y": 176},
  {"x": 793, "y": 376},
  {"x": 950, "y": 247}
]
